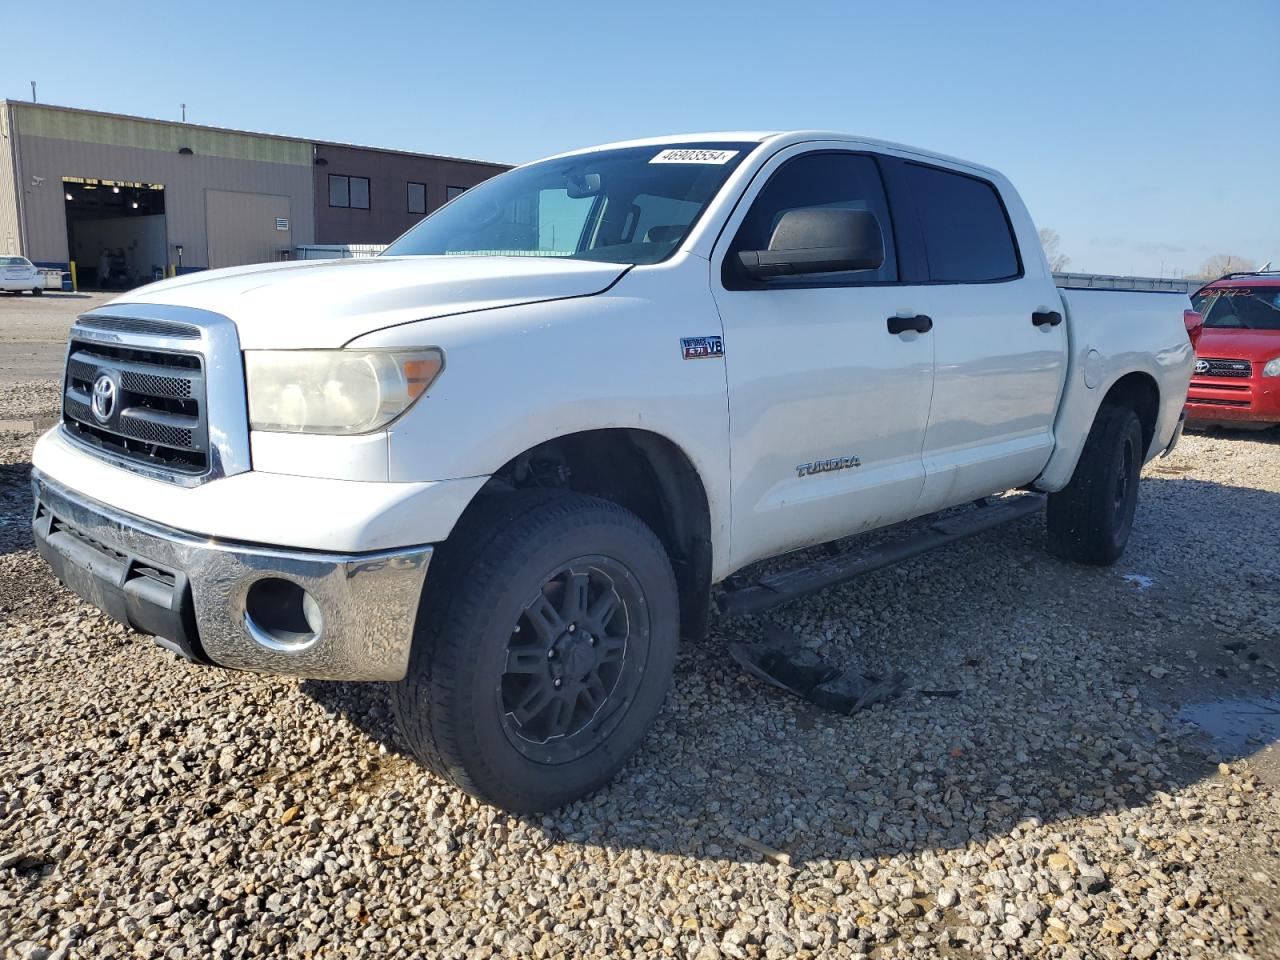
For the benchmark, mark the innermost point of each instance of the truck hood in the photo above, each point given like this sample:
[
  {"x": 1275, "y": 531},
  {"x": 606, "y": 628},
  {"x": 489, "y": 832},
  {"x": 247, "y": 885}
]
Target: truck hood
[
  {"x": 327, "y": 303},
  {"x": 1238, "y": 344}
]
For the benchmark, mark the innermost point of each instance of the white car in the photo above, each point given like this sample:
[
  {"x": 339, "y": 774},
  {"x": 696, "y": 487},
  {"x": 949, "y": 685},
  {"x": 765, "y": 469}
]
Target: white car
[
  {"x": 505, "y": 465},
  {"x": 18, "y": 274}
]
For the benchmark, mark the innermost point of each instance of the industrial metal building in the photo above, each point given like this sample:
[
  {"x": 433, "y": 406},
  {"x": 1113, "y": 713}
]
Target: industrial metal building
[{"x": 129, "y": 199}]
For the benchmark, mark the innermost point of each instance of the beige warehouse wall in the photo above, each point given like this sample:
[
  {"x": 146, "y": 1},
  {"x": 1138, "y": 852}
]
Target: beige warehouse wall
[
  {"x": 142, "y": 151},
  {"x": 58, "y": 123},
  {"x": 10, "y": 238}
]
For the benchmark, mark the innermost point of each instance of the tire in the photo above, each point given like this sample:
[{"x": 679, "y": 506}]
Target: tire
[
  {"x": 1089, "y": 520},
  {"x": 37, "y": 292},
  {"x": 500, "y": 594}
]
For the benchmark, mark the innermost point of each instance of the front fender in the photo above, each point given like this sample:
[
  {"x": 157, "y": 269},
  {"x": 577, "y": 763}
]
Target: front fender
[{"x": 517, "y": 377}]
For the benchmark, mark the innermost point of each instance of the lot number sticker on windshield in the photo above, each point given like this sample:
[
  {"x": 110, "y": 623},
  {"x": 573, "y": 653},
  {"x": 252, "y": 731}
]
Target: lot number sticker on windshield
[{"x": 687, "y": 155}]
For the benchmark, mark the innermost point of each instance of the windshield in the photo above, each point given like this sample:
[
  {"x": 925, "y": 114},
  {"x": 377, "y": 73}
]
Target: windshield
[
  {"x": 1242, "y": 308},
  {"x": 14, "y": 262},
  {"x": 632, "y": 205}
]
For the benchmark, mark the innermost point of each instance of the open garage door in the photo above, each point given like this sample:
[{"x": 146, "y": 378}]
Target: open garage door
[
  {"x": 247, "y": 228},
  {"x": 116, "y": 231}
]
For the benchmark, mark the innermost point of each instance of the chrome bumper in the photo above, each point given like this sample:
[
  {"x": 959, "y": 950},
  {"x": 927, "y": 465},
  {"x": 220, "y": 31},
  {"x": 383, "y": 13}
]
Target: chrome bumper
[{"x": 160, "y": 580}]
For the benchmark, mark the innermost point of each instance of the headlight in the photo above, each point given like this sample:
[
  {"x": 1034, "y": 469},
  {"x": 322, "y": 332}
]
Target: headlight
[
  {"x": 335, "y": 391},
  {"x": 1272, "y": 369}
]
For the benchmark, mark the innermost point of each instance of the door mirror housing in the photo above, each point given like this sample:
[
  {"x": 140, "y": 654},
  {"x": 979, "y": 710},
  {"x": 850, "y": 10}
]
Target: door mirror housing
[{"x": 818, "y": 240}]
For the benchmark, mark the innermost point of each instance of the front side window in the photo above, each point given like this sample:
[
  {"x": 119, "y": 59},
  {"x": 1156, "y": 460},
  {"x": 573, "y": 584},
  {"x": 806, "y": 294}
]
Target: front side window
[
  {"x": 1241, "y": 308},
  {"x": 348, "y": 191},
  {"x": 842, "y": 181},
  {"x": 967, "y": 236},
  {"x": 14, "y": 262},
  {"x": 630, "y": 205},
  {"x": 417, "y": 197}
]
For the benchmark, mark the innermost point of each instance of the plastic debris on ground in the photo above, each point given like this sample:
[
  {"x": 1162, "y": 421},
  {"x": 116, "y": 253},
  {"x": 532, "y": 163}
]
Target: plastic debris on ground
[{"x": 782, "y": 662}]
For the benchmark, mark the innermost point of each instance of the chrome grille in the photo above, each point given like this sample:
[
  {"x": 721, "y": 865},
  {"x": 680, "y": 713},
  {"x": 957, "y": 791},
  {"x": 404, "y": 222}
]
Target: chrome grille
[
  {"x": 150, "y": 328},
  {"x": 1225, "y": 368},
  {"x": 156, "y": 412}
]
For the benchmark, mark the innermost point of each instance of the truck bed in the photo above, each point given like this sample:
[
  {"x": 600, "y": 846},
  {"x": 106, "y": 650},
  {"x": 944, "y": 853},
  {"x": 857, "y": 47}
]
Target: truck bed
[{"x": 1104, "y": 281}]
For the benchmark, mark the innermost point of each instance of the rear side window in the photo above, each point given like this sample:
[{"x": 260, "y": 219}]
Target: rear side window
[
  {"x": 848, "y": 181},
  {"x": 967, "y": 237}
]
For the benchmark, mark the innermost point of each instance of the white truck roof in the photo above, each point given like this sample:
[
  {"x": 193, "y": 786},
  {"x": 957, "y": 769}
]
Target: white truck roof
[{"x": 780, "y": 138}]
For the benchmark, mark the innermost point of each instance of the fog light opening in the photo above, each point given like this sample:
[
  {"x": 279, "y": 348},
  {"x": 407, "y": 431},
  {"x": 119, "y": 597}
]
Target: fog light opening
[{"x": 281, "y": 615}]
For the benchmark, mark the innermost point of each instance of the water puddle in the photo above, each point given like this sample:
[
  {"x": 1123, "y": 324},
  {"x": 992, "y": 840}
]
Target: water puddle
[{"x": 1239, "y": 725}]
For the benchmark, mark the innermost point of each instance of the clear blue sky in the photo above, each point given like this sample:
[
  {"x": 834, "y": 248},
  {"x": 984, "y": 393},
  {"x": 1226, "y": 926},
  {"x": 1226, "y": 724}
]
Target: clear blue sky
[{"x": 1143, "y": 138}]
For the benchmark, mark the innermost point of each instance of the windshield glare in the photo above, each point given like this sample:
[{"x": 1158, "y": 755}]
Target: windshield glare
[
  {"x": 1242, "y": 308},
  {"x": 632, "y": 205}
]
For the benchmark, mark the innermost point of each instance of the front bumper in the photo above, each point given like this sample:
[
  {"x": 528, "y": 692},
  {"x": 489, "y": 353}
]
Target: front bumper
[
  {"x": 194, "y": 591},
  {"x": 1220, "y": 400}
]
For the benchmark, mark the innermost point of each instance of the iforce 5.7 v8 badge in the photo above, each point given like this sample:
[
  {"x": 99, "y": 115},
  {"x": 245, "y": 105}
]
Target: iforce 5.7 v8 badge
[{"x": 702, "y": 348}]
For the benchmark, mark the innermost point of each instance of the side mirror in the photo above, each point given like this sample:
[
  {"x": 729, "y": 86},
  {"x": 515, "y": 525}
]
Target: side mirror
[{"x": 818, "y": 240}]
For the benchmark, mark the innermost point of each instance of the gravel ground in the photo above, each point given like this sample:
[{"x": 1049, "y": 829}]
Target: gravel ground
[{"x": 1054, "y": 806}]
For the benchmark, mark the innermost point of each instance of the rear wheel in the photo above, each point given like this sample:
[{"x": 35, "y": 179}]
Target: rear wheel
[
  {"x": 544, "y": 649},
  {"x": 1089, "y": 520}
]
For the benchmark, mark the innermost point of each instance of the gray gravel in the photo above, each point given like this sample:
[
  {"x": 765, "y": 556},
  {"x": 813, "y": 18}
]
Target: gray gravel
[{"x": 1055, "y": 806}]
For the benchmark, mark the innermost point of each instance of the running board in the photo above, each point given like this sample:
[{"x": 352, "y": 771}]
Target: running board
[{"x": 786, "y": 585}]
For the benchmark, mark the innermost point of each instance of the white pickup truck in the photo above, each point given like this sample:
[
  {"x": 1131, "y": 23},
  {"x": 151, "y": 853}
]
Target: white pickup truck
[{"x": 504, "y": 465}]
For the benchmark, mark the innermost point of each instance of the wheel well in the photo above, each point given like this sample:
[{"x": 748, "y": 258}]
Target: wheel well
[
  {"x": 1139, "y": 392},
  {"x": 645, "y": 473}
]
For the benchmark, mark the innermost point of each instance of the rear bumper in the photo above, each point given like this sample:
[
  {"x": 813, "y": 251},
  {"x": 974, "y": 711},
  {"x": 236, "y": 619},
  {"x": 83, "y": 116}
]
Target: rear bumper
[{"x": 193, "y": 592}]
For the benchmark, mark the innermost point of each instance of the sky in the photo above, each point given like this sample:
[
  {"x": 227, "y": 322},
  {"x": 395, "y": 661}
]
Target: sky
[{"x": 1146, "y": 135}]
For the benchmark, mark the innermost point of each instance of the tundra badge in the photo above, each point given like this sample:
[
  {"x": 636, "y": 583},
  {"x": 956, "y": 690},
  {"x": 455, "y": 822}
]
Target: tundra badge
[{"x": 826, "y": 466}]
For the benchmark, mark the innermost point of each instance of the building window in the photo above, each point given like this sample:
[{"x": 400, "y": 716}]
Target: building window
[
  {"x": 417, "y": 198},
  {"x": 451, "y": 192},
  {"x": 348, "y": 192}
]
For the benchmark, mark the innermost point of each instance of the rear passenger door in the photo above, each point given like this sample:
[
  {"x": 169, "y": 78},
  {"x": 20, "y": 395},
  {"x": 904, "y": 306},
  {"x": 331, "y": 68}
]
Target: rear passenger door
[
  {"x": 827, "y": 403},
  {"x": 1000, "y": 342}
]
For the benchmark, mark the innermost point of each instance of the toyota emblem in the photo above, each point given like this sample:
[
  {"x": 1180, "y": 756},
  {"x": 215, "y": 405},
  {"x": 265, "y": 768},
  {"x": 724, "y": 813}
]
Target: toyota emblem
[
  {"x": 1202, "y": 366},
  {"x": 103, "y": 403}
]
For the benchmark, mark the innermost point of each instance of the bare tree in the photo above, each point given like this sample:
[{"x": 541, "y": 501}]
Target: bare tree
[
  {"x": 1050, "y": 240},
  {"x": 1220, "y": 264}
]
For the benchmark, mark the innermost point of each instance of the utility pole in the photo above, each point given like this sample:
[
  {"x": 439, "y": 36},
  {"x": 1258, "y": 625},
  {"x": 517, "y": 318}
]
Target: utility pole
[{"x": 33, "y": 91}]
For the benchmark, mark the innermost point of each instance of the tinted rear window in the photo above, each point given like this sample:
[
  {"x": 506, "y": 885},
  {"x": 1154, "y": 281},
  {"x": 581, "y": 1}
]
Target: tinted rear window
[{"x": 966, "y": 233}]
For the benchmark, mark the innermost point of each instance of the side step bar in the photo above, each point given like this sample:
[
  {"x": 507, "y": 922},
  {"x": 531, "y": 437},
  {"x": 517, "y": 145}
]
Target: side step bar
[{"x": 785, "y": 585}]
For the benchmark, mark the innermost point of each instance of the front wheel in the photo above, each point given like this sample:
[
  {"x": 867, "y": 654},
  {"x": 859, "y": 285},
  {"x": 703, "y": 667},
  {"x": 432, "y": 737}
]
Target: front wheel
[
  {"x": 37, "y": 292},
  {"x": 544, "y": 649},
  {"x": 1089, "y": 520}
]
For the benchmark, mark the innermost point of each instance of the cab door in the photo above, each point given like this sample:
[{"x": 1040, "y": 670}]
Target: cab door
[
  {"x": 999, "y": 336},
  {"x": 829, "y": 375}
]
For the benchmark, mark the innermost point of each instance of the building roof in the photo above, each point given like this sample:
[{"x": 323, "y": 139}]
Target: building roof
[{"x": 245, "y": 133}]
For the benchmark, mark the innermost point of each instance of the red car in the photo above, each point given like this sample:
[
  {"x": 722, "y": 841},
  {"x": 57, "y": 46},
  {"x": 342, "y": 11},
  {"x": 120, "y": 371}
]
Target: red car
[{"x": 1237, "y": 373}]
